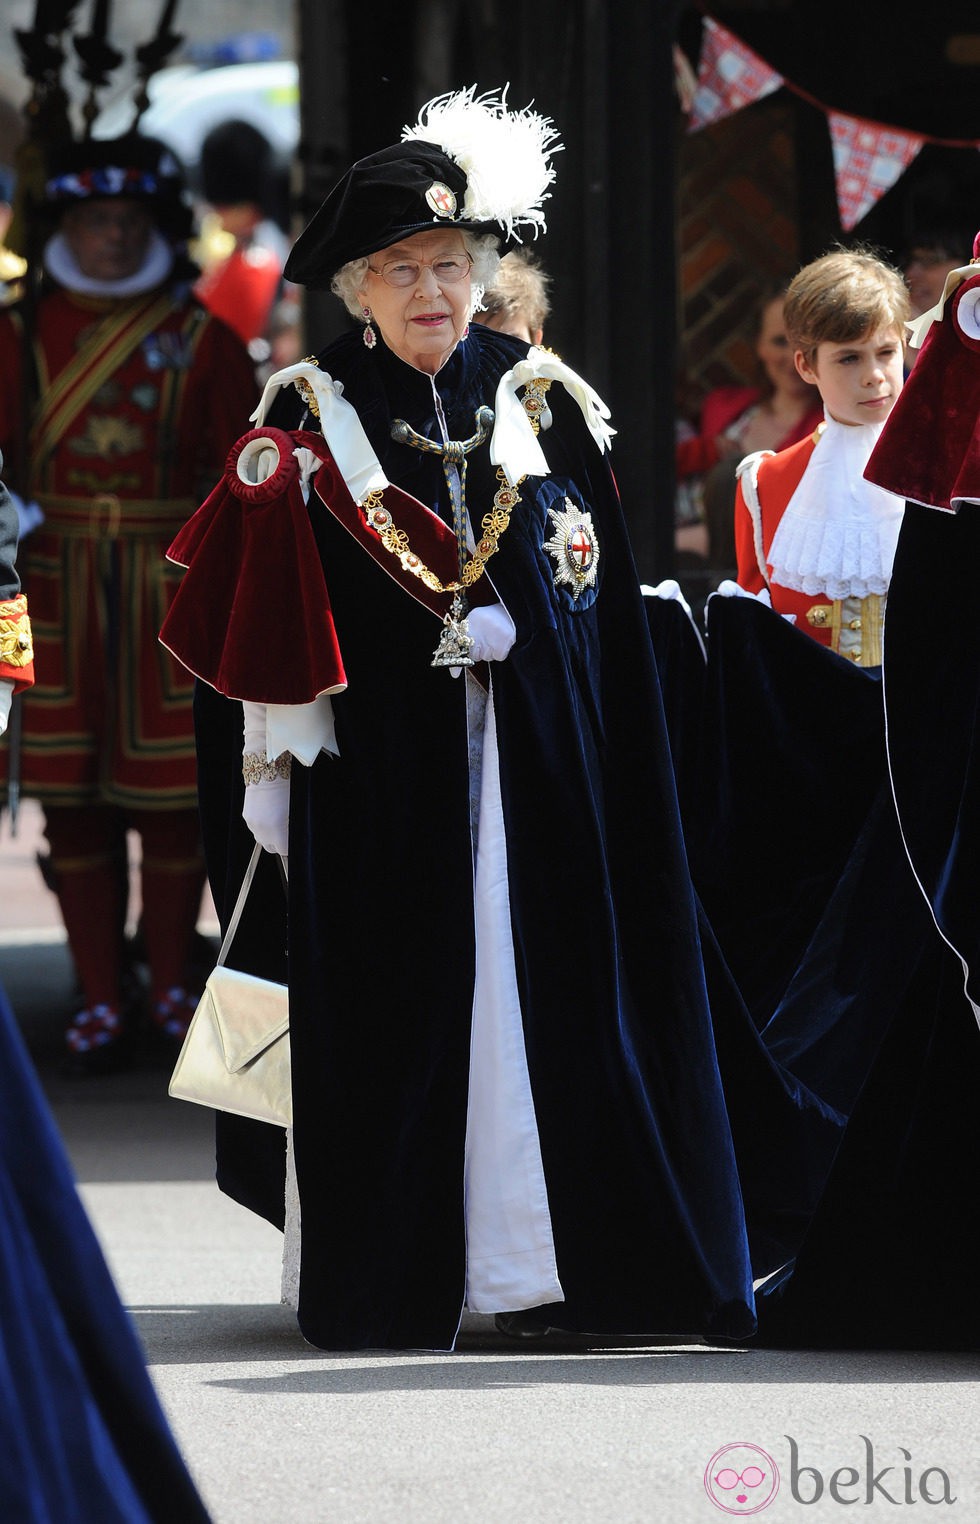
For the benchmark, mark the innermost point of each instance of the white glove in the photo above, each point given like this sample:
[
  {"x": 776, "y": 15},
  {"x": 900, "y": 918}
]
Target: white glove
[
  {"x": 266, "y": 813},
  {"x": 729, "y": 589},
  {"x": 6, "y": 694},
  {"x": 668, "y": 590},
  {"x": 492, "y": 632},
  {"x": 266, "y": 807}
]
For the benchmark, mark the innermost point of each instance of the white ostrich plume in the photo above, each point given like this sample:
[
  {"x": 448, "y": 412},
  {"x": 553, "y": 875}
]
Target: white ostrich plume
[{"x": 504, "y": 155}]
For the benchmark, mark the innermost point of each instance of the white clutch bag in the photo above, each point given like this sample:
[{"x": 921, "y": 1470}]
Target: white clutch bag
[{"x": 235, "y": 1056}]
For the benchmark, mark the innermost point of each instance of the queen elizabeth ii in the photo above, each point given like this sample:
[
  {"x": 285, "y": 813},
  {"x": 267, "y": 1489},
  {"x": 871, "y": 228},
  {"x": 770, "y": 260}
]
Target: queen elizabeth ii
[{"x": 505, "y": 1091}]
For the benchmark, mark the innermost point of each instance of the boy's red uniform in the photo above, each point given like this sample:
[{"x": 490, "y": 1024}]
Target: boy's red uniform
[{"x": 766, "y": 485}]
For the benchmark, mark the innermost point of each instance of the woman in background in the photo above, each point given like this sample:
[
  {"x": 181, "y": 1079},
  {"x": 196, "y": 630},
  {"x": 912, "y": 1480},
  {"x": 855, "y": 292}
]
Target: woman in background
[{"x": 777, "y": 411}]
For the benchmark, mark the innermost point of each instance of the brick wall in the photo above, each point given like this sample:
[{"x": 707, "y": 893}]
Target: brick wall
[{"x": 737, "y": 238}]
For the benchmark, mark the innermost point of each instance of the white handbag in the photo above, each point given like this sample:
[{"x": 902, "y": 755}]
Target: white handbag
[{"x": 235, "y": 1056}]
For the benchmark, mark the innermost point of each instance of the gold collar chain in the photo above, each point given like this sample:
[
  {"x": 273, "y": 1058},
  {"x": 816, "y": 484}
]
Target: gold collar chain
[
  {"x": 396, "y": 542},
  {"x": 505, "y": 500}
]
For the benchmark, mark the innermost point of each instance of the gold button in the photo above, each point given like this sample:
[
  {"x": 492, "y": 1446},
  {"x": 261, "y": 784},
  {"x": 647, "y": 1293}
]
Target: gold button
[
  {"x": 854, "y": 624},
  {"x": 854, "y": 655}
]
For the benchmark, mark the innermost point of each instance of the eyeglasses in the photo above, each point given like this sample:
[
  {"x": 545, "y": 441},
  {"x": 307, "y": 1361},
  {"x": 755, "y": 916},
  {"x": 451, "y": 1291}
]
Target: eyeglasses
[{"x": 405, "y": 272}]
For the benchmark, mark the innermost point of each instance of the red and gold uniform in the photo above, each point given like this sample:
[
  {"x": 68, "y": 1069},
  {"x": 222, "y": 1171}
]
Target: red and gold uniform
[
  {"x": 140, "y": 401},
  {"x": 850, "y": 624}
]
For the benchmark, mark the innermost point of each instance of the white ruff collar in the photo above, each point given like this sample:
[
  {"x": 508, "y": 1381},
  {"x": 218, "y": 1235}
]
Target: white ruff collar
[
  {"x": 838, "y": 534},
  {"x": 61, "y": 265}
]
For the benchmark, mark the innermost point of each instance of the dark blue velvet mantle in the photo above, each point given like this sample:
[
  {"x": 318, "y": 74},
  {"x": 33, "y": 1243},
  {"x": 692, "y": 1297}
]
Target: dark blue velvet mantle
[{"x": 638, "y": 1155}]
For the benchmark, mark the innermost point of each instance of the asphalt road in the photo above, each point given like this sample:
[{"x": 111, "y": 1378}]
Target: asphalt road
[{"x": 274, "y": 1430}]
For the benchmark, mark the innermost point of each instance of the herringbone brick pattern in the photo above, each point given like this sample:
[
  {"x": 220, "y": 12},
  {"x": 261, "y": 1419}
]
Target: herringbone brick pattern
[{"x": 737, "y": 238}]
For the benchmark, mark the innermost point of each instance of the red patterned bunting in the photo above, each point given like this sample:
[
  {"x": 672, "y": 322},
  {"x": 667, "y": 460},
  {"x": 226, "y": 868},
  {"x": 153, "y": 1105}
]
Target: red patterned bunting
[
  {"x": 730, "y": 76},
  {"x": 868, "y": 156},
  {"x": 868, "y": 159}
]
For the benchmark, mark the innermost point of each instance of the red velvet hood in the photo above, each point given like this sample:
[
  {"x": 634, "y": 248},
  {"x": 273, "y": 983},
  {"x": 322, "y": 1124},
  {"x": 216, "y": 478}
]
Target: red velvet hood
[
  {"x": 929, "y": 450},
  {"x": 250, "y": 553}
]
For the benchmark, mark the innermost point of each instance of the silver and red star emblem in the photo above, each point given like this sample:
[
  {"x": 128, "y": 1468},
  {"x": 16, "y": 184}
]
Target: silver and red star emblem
[{"x": 574, "y": 548}]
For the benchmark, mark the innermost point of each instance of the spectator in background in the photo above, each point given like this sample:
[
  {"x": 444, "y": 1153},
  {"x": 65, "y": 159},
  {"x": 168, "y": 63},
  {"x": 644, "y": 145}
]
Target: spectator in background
[
  {"x": 283, "y": 339},
  {"x": 244, "y": 248},
  {"x": 926, "y": 265},
  {"x": 517, "y": 302},
  {"x": 778, "y": 410},
  {"x": 930, "y": 257}
]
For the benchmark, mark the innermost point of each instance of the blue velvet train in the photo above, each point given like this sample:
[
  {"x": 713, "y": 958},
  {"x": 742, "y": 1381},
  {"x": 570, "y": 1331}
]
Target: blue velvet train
[{"x": 83, "y": 1439}]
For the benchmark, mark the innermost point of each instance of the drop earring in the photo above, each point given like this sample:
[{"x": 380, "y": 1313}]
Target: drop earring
[{"x": 369, "y": 336}]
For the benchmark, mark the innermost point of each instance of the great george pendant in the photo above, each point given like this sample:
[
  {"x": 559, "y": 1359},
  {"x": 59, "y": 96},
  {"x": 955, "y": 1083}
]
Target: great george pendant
[{"x": 455, "y": 641}]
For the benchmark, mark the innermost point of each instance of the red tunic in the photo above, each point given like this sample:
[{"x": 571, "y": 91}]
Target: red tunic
[
  {"x": 778, "y": 478},
  {"x": 163, "y": 396},
  {"x": 241, "y": 290}
]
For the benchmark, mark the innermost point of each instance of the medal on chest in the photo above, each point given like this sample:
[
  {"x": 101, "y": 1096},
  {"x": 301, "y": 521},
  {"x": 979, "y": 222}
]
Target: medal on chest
[{"x": 573, "y": 547}]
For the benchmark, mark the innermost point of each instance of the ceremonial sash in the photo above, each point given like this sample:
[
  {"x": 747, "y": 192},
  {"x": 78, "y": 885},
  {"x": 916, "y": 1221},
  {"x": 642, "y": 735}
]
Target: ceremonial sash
[
  {"x": 106, "y": 349},
  {"x": 434, "y": 541}
]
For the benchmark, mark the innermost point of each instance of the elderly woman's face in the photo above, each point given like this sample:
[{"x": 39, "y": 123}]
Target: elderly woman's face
[{"x": 421, "y": 321}]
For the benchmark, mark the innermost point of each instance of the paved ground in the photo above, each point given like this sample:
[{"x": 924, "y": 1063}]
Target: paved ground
[{"x": 276, "y": 1431}]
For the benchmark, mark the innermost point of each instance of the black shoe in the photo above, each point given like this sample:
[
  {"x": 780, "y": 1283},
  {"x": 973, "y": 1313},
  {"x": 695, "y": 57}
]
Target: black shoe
[{"x": 524, "y": 1325}]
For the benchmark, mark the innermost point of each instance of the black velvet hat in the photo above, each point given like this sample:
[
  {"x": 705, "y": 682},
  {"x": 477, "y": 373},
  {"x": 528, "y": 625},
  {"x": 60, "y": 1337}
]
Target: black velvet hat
[
  {"x": 381, "y": 199},
  {"x": 468, "y": 163}
]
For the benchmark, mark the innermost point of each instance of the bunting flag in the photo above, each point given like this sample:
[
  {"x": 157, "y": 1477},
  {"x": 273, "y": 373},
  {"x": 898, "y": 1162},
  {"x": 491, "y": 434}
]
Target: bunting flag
[
  {"x": 868, "y": 159},
  {"x": 868, "y": 156},
  {"x": 730, "y": 76}
]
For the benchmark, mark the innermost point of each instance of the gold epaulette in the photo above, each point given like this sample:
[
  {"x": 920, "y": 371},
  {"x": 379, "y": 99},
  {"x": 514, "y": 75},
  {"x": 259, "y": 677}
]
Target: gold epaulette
[
  {"x": 16, "y": 644},
  {"x": 535, "y": 400}
]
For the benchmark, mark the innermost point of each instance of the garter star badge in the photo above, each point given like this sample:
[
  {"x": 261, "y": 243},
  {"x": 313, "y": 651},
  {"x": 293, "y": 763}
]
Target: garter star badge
[
  {"x": 574, "y": 548},
  {"x": 441, "y": 199}
]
